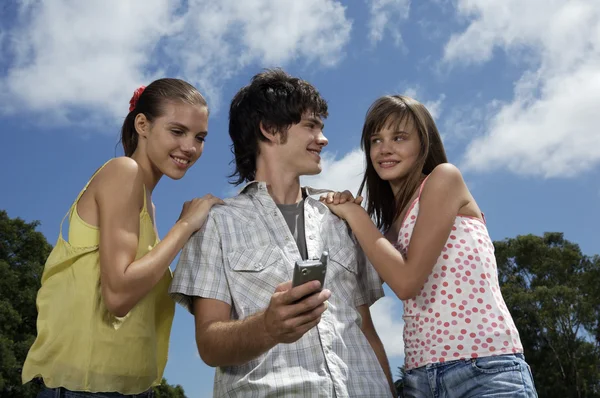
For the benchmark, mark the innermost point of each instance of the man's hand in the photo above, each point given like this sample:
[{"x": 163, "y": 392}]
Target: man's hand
[{"x": 294, "y": 311}]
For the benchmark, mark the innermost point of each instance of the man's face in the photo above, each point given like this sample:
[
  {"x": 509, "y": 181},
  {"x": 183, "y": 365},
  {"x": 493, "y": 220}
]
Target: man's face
[{"x": 301, "y": 152}]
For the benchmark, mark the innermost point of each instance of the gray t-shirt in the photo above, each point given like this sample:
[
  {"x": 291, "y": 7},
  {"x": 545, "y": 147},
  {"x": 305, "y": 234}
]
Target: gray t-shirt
[{"x": 294, "y": 217}]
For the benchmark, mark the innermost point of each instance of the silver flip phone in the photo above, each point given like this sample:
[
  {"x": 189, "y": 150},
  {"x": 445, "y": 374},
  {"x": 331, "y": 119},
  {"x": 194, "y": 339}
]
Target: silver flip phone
[{"x": 310, "y": 270}]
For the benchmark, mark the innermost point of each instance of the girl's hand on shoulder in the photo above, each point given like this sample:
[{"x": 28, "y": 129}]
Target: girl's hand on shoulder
[
  {"x": 195, "y": 211},
  {"x": 341, "y": 203},
  {"x": 340, "y": 198}
]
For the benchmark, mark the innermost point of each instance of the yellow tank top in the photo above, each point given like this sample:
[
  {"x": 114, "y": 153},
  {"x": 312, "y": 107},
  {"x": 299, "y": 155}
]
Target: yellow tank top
[{"x": 82, "y": 347}]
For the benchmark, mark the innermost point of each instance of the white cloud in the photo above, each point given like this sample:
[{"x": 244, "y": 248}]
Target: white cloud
[
  {"x": 339, "y": 174},
  {"x": 412, "y": 92},
  {"x": 66, "y": 55},
  {"x": 222, "y": 37},
  {"x": 2, "y": 40},
  {"x": 387, "y": 15},
  {"x": 463, "y": 122},
  {"x": 71, "y": 54},
  {"x": 435, "y": 107},
  {"x": 550, "y": 127},
  {"x": 387, "y": 318}
]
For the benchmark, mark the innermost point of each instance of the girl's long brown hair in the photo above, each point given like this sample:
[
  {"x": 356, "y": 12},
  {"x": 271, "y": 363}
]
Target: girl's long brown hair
[{"x": 397, "y": 109}]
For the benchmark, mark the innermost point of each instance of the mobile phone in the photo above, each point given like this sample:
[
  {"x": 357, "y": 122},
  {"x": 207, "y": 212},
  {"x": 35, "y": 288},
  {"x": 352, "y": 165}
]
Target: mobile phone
[{"x": 310, "y": 270}]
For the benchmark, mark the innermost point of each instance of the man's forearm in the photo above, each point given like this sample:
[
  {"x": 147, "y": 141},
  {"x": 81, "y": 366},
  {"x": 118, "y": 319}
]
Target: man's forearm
[{"x": 230, "y": 343}]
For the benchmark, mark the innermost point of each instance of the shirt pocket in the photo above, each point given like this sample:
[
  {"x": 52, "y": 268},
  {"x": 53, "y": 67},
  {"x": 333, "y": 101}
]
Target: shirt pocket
[
  {"x": 342, "y": 274},
  {"x": 345, "y": 257},
  {"x": 254, "y": 274},
  {"x": 253, "y": 259}
]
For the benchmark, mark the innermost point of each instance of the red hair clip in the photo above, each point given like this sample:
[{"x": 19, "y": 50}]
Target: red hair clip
[{"x": 136, "y": 96}]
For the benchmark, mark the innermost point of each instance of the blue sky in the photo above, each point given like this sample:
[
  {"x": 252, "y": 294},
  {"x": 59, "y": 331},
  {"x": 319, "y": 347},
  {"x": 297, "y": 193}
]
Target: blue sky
[{"x": 514, "y": 87}]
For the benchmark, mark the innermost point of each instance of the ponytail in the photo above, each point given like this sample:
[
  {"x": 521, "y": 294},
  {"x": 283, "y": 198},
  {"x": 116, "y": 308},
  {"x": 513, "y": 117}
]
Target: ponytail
[{"x": 129, "y": 137}]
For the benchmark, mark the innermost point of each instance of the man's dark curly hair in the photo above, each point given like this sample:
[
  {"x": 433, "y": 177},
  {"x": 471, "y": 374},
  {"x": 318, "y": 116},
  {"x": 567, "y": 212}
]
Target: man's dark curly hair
[{"x": 278, "y": 101}]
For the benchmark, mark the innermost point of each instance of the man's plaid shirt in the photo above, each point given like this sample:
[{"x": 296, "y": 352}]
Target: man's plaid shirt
[{"x": 240, "y": 255}]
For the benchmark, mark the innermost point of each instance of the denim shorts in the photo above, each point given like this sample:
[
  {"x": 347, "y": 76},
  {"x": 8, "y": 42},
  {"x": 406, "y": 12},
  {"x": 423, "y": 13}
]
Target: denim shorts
[
  {"x": 64, "y": 393},
  {"x": 493, "y": 376}
]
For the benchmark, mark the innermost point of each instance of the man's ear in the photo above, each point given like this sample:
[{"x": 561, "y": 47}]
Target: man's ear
[
  {"x": 142, "y": 125},
  {"x": 270, "y": 134}
]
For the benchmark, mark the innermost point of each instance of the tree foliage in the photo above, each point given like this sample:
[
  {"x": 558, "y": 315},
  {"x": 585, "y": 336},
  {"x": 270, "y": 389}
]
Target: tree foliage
[
  {"x": 23, "y": 252},
  {"x": 553, "y": 293},
  {"x": 165, "y": 390},
  {"x": 399, "y": 383}
]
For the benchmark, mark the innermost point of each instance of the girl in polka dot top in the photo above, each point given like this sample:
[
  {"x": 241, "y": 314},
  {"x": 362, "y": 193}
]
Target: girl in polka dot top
[{"x": 437, "y": 256}]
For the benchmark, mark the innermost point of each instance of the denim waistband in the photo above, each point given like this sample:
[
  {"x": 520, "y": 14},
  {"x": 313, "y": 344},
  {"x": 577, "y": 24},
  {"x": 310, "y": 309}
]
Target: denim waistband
[{"x": 447, "y": 363}]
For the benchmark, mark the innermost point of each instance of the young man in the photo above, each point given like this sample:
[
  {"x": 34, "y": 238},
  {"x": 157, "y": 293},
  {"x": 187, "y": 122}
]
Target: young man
[{"x": 265, "y": 337}]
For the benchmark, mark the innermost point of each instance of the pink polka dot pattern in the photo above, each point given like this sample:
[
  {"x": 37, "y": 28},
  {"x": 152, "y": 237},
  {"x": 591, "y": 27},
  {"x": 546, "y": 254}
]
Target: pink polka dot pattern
[{"x": 460, "y": 312}]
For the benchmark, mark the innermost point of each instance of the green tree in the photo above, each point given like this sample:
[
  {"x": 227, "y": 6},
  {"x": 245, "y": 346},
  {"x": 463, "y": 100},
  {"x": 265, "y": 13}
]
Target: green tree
[
  {"x": 553, "y": 293},
  {"x": 23, "y": 252},
  {"x": 165, "y": 390},
  {"x": 399, "y": 383}
]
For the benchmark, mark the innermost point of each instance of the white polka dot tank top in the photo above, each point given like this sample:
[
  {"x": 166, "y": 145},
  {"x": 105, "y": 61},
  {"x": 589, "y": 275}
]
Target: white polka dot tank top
[{"x": 459, "y": 313}]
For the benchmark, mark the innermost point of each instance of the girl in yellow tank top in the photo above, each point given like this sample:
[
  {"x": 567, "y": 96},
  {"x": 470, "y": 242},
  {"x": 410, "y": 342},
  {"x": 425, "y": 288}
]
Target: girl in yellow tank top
[{"x": 104, "y": 314}]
